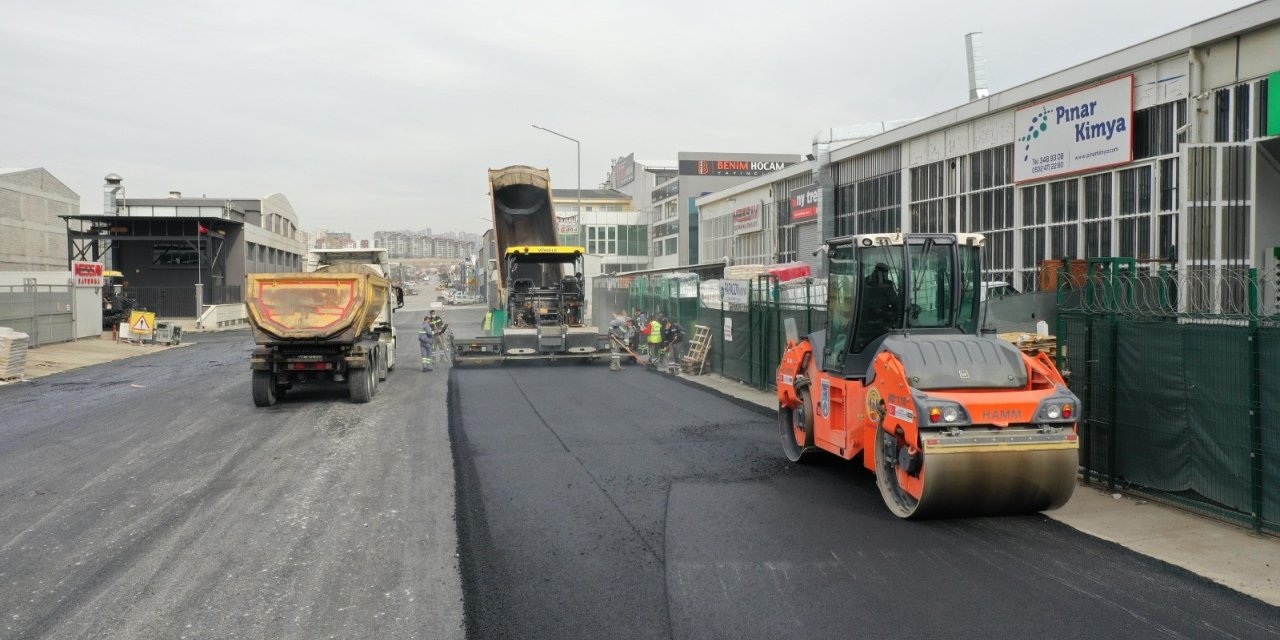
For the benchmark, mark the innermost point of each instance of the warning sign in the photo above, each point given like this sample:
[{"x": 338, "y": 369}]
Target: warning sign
[{"x": 142, "y": 322}]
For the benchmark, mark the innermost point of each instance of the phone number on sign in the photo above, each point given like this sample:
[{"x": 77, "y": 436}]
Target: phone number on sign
[{"x": 1052, "y": 157}]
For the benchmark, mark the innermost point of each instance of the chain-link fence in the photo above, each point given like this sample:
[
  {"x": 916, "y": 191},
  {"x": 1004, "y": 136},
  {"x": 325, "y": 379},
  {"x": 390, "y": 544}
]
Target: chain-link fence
[{"x": 1177, "y": 374}]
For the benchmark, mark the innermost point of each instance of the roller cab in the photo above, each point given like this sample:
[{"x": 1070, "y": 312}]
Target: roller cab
[{"x": 951, "y": 421}]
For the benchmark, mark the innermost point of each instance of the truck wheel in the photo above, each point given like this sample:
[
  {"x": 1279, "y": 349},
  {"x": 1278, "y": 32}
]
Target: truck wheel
[
  {"x": 264, "y": 388},
  {"x": 360, "y": 382}
]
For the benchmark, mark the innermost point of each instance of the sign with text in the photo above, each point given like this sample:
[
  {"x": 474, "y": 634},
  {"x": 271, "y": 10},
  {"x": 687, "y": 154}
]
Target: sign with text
[
  {"x": 750, "y": 168},
  {"x": 624, "y": 171},
  {"x": 1088, "y": 129},
  {"x": 734, "y": 291},
  {"x": 87, "y": 274},
  {"x": 747, "y": 219},
  {"x": 567, "y": 225},
  {"x": 804, "y": 203}
]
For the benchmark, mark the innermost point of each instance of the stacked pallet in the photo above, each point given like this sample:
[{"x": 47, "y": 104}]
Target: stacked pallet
[
  {"x": 1031, "y": 342},
  {"x": 13, "y": 354}
]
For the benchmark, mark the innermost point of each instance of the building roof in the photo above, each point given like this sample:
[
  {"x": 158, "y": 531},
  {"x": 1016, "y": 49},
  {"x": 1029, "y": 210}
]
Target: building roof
[
  {"x": 4, "y": 170},
  {"x": 1245, "y": 19},
  {"x": 182, "y": 202},
  {"x": 590, "y": 194}
]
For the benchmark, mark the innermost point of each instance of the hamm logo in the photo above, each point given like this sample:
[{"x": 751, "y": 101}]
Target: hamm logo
[{"x": 1002, "y": 415}]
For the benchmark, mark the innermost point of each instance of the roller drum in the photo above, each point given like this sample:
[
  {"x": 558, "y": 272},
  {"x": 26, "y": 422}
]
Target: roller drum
[{"x": 980, "y": 480}]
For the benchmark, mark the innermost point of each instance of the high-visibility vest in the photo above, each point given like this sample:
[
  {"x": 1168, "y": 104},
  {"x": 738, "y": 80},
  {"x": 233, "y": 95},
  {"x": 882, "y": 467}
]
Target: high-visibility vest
[{"x": 655, "y": 332}]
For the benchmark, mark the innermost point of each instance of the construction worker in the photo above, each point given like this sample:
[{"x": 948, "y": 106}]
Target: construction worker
[
  {"x": 655, "y": 340},
  {"x": 426, "y": 336},
  {"x": 673, "y": 340},
  {"x": 438, "y": 329},
  {"x": 617, "y": 335}
]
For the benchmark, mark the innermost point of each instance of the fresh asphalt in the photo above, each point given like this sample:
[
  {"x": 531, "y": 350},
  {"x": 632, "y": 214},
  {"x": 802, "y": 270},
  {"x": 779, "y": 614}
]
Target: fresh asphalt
[
  {"x": 595, "y": 504},
  {"x": 149, "y": 498}
]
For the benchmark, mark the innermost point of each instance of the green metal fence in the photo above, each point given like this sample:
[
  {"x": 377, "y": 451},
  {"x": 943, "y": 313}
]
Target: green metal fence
[
  {"x": 1179, "y": 375},
  {"x": 747, "y": 340}
]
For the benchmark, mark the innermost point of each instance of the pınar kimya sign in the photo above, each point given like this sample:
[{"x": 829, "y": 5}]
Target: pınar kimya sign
[{"x": 1087, "y": 129}]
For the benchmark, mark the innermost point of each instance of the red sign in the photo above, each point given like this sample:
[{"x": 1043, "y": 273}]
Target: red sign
[
  {"x": 87, "y": 274},
  {"x": 804, "y": 203}
]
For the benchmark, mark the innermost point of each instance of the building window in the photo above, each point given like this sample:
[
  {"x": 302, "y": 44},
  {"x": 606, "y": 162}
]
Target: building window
[
  {"x": 174, "y": 255},
  {"x": 602, "y": 240},
  {"x": 928, "y": 199},
  {"x": 869, "y": 195},
  {"x": 1035, "y": 215},
  {"x": 1135, "y": 212},
  {"x": 1097, "y": 213},
  {"x": 1154, "y": 129},
  {"x": 990, "y": 208}
]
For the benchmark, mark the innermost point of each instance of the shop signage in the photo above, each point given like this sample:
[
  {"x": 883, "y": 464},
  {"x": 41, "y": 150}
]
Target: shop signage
[
  {"x": 624, "y": 171},
  {"x": 747, "y": 219},
  {"x": 804, "y": 202},
  {"x": 731, "y": 167},
  {"x": 87, "y": 274},
  {"x": 567, "y": 225},
  {"x": 1088, "y": 129},
  {"x": 734, "y": 291},
  {"x": 669, "y": 190}
]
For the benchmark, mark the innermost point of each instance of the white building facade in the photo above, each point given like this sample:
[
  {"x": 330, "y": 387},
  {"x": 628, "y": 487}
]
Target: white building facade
[{"x": 1163, "y": 152}]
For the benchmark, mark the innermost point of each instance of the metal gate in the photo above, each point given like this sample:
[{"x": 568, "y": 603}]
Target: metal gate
[{"x": 43, "y": 312}]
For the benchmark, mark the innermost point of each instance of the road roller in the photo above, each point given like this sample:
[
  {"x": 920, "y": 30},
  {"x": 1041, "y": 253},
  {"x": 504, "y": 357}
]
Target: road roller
[{"x": 953, "y": 421}]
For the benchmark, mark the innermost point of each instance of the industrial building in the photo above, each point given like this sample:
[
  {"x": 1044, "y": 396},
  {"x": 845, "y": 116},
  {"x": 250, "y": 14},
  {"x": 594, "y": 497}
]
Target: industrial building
[
  {"x": 675, "y": 220},
  {"x": 176, "y": 250},
  {"x": 1163, "y": 152},
  {"x": 32, "y": 237}
]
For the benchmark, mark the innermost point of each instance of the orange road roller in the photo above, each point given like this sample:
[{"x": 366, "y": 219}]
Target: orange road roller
[{"x": 952, "y": 420}]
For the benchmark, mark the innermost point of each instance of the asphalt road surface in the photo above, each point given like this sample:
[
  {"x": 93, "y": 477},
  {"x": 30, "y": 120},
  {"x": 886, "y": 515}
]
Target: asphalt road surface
[
  {"x": 149, "y": 498},
  {"x": 631, "y": 505}
]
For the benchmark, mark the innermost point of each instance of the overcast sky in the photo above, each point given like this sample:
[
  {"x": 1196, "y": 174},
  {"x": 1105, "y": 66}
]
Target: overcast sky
[{"x": 386, "y": 114}]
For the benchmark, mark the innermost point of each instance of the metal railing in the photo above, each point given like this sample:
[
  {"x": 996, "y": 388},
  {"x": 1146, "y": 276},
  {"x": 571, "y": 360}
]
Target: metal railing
[{"x": 43, "y": 312}]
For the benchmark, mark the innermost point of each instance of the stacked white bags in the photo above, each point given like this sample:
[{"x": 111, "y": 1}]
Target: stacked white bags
[{"x": 13, "y": 354}]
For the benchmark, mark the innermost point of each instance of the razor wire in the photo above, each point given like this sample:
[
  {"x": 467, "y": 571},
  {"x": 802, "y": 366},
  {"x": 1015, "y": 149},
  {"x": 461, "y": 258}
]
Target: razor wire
[{"x": 1209, "y": 294}]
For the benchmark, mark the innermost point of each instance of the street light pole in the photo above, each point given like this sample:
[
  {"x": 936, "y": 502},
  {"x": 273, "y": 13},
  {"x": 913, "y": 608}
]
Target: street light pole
[{"x": 579, "y": 146}]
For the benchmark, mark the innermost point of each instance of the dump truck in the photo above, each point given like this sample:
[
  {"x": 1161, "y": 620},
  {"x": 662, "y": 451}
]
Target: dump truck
[
  {"x": 953, "y": 421},
  {"x": 540, "y": 283},
  {"x": 332, "y": 323}
]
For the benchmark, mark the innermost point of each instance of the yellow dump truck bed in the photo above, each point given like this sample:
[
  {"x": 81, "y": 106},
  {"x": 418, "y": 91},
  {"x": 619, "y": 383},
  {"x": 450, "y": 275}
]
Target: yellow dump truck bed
[{"x": 334, "y": 305}]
